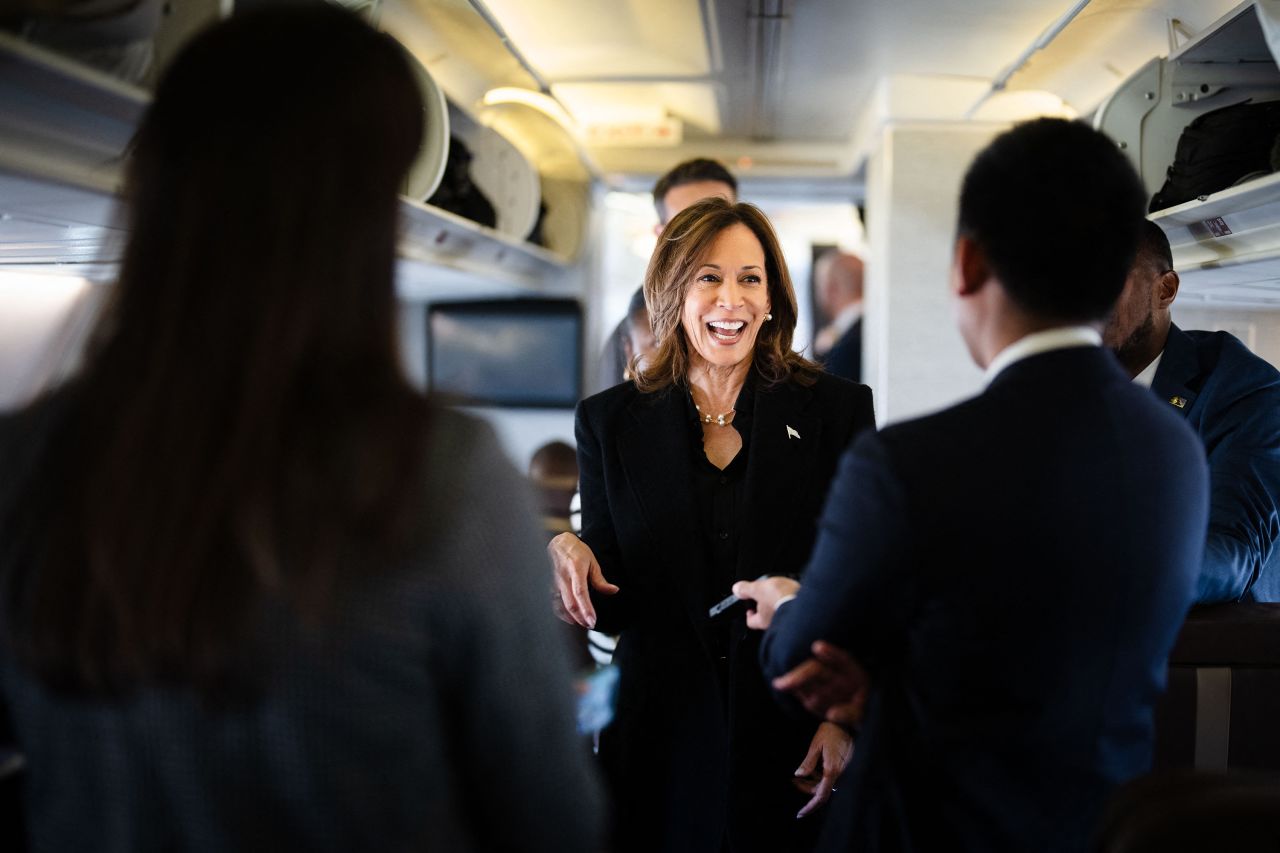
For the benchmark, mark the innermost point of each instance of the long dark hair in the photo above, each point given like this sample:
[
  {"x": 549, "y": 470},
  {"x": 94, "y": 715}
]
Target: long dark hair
[
  {"x": 242, "y": 428},
  {"x": 681, "y": 247}
]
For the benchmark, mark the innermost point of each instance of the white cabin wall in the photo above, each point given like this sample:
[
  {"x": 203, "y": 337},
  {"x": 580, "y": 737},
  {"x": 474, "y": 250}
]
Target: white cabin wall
[
  {"x": 44, "y": 320},
  {"x": 625, "y": 243},
  {"x": 913, "y": 357}
]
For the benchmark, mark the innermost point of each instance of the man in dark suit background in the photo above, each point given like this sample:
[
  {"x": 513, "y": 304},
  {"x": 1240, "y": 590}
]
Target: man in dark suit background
[
  {"x": 1231, "y": 398},
  {"x": 838, "y": 287},
  {"x": 1010, "y": 573},
  {"x": 679, "y": 187}
]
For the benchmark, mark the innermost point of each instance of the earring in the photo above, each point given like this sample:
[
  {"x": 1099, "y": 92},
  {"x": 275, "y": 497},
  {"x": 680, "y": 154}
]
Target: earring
[{"x": 768, "y": 316}]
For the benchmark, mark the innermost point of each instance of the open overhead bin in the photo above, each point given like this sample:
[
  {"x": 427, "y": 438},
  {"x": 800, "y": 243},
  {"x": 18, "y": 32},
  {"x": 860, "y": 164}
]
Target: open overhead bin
[
  {"x": 1225, "y": 239},
  {"x": 66, "y": 127}
]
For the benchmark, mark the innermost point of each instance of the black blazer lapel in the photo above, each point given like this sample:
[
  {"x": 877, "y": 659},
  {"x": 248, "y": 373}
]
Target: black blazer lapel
[
  {"x": 785, "y": 440},
  {"x": 1179, "y": 365},
  {"x": 655, "y": 454}
]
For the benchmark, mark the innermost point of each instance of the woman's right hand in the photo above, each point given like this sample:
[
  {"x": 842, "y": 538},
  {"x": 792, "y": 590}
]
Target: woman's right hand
[{"x": 576, "y": 573}]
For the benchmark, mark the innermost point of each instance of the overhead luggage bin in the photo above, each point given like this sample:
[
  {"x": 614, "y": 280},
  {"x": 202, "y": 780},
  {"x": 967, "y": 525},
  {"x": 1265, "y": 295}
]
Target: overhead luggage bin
[
  {"x": 65, "y": 131},
  {"x": 1226, "y": 246},
  {"x": 1226, "y": 242},
  {"x": 500, "y": 173},
  {"x": 428, "y": 167}
]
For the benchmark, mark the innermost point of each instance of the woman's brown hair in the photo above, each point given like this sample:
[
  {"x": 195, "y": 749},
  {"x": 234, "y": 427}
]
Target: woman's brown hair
[
  {"x": 681, "y": 248},
  {"x": 242, "y": 432}
]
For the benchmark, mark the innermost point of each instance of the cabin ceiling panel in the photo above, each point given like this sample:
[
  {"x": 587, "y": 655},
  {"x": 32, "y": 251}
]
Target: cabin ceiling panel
[
  {"x": 738, "y": 73},
  {"x": 590, "y": 39},
  {"x": 696, "y": 104},
  {"x": 841, "y": 50}
]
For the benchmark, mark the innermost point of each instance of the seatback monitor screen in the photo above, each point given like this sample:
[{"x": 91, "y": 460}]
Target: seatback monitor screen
[{"x": 524, "y": 352}]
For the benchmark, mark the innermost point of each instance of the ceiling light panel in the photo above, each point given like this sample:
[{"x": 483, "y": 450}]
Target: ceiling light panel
[
  {"x": 585, "y": 39},
  {"x": 603, "y": 103}
]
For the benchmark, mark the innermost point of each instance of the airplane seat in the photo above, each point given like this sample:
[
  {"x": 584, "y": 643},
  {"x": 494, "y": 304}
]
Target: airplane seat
[
  {"x": 1187, "y": 810},
  {"x": 1221, "y": 710}
]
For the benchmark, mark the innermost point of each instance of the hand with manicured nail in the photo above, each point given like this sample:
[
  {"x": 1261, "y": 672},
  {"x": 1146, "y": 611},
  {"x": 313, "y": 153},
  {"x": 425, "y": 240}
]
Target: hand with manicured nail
[{"x": 576, "y": 573}]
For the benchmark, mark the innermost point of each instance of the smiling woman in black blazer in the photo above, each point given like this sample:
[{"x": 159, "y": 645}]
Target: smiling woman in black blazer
[{"x": 710, "y": 467}]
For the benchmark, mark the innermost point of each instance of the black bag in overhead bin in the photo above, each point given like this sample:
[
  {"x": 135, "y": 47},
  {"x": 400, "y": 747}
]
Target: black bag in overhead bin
[
  {"x": 457, "y": 193},
  {"x": 1218, "y": 149}
]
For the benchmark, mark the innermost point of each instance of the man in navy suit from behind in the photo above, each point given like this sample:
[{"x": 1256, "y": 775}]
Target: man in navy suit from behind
[
  {"x": 1231, "y": 398},
  {"x": 1008, "y": 574}
]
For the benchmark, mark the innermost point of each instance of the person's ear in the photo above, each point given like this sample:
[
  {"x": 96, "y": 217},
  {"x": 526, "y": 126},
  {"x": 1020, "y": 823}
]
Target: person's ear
[
  {"x": 1167, "y": 289},
  {"x": 969, "y": 267}
]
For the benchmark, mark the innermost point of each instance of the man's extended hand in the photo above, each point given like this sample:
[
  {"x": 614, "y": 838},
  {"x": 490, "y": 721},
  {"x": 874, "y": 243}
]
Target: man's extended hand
[
  {"x": 831, "y": 684},
  {"x": 766, "y": 594}
]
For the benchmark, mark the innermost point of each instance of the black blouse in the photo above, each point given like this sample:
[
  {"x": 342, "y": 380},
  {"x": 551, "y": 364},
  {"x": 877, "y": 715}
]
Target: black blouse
[{"x": 720, "y": 496}]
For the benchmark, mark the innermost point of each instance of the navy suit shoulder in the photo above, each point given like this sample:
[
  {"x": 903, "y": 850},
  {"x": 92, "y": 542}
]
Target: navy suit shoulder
[
  {"x": 1053, "y": 390},
  {"x": 1012, "y": 572},
  {"x": 1231, "y": 398}
]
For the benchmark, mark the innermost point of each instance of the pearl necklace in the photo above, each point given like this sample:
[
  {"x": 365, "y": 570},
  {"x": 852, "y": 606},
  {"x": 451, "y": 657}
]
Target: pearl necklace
[{"x": 723, "y": 419}]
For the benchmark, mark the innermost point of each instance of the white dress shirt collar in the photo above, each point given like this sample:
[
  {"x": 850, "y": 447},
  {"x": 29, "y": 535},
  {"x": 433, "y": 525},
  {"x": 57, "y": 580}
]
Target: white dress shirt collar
[
  {"x": 1148, "y": 374},
  {"x": 1036, "y": 343}
]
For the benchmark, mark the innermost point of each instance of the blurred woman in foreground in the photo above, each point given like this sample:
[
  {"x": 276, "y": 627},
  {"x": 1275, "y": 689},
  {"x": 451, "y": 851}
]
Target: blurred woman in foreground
[{"x": 251, "y": 590}]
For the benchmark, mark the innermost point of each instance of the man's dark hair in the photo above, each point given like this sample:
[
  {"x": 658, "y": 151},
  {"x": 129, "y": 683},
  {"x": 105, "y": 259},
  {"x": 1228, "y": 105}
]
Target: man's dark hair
[
  {"x": 1058, "y": 210},
  {"x": 1153, "y": 246},
  {"x": 691, "y": 172}
]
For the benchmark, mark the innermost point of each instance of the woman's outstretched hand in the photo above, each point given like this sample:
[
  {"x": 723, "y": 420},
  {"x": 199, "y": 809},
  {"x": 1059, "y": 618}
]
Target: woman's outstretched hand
[{"x": 576, "y": 573}]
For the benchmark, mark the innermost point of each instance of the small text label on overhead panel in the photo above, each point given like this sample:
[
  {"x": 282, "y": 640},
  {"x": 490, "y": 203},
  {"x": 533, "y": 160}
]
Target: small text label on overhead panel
[{"x": 1217, "y": 226}]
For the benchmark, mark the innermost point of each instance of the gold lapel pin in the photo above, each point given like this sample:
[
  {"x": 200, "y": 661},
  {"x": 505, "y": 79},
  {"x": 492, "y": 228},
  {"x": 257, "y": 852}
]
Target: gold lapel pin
[{"x": 1180, "y": 402}]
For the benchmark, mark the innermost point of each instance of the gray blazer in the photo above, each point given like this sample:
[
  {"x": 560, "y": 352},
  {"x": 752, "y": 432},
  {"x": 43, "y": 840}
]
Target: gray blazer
[{"x": 436, "y": 715}]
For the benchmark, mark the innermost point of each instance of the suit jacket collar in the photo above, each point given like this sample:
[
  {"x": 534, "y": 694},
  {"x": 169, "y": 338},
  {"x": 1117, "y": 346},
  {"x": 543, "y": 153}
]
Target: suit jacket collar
[
  {"x": 655, "y": 450},
  {"x": 1178, "y": 367},
  {"x": 1069, "y": 362}
]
